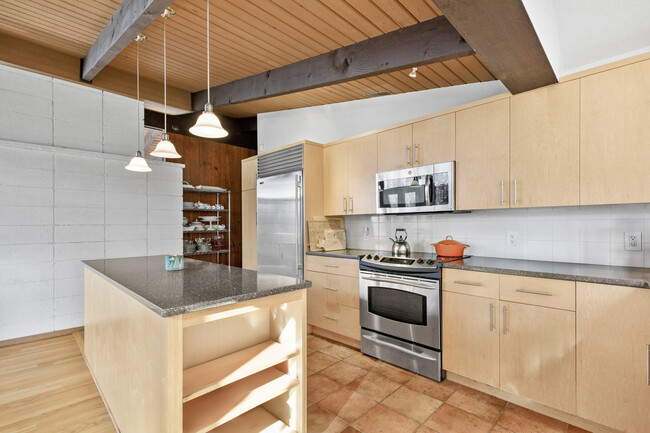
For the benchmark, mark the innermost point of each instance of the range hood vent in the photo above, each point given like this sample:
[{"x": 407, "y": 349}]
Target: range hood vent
[{"x": 281, "y": 161}]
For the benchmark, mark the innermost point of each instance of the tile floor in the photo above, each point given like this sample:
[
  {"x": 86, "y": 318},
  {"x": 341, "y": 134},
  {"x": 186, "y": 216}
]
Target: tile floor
[{"x": 349, "y": 392}]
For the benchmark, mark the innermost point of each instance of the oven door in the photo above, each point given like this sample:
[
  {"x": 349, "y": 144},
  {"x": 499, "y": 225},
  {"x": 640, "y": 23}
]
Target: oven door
[{"x": 402, "y": 307}]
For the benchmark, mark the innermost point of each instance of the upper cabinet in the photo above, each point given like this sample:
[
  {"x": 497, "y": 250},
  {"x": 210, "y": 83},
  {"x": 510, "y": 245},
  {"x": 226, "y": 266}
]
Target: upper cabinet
[
  {"x": 482, "y": 156},
  {"x": 349, "y": 176},
  {"x": 395, "y": 148},
  {"x": 249, "y": 173},
  {"x": 545, "y": 146},
  {"x": 434, "y": 140},
  {"x": 615, "y": 136}
]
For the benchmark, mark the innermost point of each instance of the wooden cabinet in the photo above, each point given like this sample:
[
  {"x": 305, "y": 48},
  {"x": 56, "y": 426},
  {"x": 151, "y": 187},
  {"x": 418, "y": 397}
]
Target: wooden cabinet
[
  {"x": 482, "y": 156},
  {"x": 537, "y": 356},
  {"x": 249, "y": 229},
  {"x": 349, "y": 176},
  {"x": 545, "y": 146},
  {"x": 434, "y": 140},
  {"x": 395, "y": 148},
  {"x": 470, "y": 336},
  {"x": 615, "y": 136},
  {"x": 249, "y": 173},
  {"x": 613, "y": 332}
]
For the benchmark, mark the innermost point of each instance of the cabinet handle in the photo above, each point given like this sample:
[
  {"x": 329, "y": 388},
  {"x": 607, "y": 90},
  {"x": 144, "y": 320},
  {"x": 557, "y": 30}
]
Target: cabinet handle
[
  {"x": 330, "y": 288},
  {"x": 647, "y": 364},
  {"x": 345, "y": 204},
  {"x": 331, "y": 266},
  {"x": 408, "y": 158},
  {"x": 501, "y": 192},
  {"x": 491, "y": 317},
  {"x": 415, "y": 154},
  {"x": 515, "y": 191},
  {"x": 534, "y": 292},
  {"x": 329, "y": 317},
  {"x": 467, "y": 283},
  {"x": 505, "y": 320},
  {"x": 351, "y": 204}
]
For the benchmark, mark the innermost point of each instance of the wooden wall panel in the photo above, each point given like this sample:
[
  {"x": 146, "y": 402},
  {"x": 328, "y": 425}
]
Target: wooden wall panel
[{"x": 215, "y": 164}]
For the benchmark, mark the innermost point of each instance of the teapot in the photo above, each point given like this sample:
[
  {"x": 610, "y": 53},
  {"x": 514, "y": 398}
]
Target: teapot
[{"x": 400, "y": 246}]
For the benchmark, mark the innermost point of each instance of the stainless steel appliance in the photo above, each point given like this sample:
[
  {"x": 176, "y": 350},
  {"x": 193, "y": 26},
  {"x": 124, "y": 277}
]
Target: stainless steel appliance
[
  {"x": 430, "y": 188},
  {"x": 400, "y": 312},
  {"x": 400, "y": 246},
  {"x": 280, "y": 213}
]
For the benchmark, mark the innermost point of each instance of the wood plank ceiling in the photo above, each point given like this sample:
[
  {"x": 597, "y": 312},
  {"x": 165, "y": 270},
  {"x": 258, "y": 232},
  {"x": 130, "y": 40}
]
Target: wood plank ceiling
[{"x": 247, "y": 37}]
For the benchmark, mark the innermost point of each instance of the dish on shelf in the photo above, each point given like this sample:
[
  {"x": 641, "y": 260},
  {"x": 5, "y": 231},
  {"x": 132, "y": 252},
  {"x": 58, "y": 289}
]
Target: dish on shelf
[
  {"x": 188, "y": 204},
  {"x": 211, "y": 188},
  {"x": 208, "y": 218},
  {"x": 186, "y": 185}
]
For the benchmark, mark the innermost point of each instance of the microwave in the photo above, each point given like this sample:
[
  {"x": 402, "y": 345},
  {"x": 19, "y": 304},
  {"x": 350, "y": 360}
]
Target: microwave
[{"x": 429, "y": 188}]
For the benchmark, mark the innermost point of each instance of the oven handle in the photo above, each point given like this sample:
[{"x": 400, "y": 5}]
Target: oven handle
[
  {"x": 404, "y": 282},
  {"x": 396, "y": 347}
]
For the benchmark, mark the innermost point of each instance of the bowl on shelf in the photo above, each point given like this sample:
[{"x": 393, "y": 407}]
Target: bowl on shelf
[{"x": 187, "y": 204}]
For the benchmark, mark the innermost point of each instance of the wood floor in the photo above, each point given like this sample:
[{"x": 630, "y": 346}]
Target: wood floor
[{"x": 45, "y": 387}]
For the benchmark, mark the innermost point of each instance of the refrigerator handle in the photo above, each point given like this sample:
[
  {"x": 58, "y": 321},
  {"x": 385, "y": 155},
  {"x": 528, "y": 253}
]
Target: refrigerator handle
[{"x": 299, "y": 221}]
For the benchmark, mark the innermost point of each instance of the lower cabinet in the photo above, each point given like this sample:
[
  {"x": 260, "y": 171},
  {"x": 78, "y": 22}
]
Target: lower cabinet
[
  {"x": 470, "y": 337},
  {"x": 538, "y": 357},
  {"x": 613, "y": 330},
  {"x": 249, "y": 229}
]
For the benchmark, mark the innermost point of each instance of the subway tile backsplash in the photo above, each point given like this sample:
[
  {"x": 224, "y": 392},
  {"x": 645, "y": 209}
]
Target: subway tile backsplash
[{"x": 577, "y": 234}]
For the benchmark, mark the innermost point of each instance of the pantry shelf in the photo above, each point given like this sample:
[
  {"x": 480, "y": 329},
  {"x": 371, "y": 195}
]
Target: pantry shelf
[{"x": 257, "y": 420}]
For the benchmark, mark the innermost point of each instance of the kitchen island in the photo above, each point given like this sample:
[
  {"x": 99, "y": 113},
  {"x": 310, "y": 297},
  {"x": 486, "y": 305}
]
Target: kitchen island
[{"x": 208, "y": 348}]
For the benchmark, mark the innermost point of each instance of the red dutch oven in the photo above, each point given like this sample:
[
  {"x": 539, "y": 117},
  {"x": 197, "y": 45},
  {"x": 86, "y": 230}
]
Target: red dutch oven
[{"x": 450, "y": 248}]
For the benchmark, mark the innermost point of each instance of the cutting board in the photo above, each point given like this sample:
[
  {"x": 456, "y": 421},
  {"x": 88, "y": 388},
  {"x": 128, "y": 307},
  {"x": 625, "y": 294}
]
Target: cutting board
[{"x": 326, "y": 234}]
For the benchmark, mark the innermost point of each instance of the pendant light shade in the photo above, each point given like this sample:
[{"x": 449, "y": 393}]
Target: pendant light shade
[
  {"x": 208, "y": 124},
  {"x": 165, "y": 148},
  {"x": 138, "y": 163}
]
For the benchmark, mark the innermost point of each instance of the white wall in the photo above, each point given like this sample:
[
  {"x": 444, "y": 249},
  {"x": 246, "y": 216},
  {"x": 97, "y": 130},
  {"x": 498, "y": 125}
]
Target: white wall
[
  {"x": 65, "y": 197},
  {"x": 579, "y": 234},
  {"x": 326, "y": 123}
]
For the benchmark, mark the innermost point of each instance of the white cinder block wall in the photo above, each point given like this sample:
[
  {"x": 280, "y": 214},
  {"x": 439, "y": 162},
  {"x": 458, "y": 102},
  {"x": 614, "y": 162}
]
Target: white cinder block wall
[
  {"x": 580, "y": 234},
  {"x": 65, "y": 197}
]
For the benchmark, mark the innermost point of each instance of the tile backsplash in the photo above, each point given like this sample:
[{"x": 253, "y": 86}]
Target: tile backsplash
[{"x": 577, "y": 234}]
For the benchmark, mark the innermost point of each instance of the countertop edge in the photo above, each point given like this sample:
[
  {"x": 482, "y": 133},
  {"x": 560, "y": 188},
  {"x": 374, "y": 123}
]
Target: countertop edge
[{"x": 328, "y": 254}]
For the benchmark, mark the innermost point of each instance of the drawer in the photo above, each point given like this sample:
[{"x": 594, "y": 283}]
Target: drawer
[
  {"x": 349, "y": 324},
  {"x": 332, "y": 265},
  {"x": 539, "y": 291},
  {"x": 471, "y": 283},
  {"x": 345, "y": 288},
  {"x": 322, "y": 309}
]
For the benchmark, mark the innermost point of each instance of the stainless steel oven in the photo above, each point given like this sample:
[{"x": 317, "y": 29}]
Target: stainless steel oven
[
  {"x": 430, "y": 188},
  {"x": 400, "y": 312}
]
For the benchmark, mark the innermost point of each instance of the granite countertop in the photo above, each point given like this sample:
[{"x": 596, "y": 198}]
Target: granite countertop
[
  {"x": 614, "y": 275},
  {"x": 199, "y": 286}
]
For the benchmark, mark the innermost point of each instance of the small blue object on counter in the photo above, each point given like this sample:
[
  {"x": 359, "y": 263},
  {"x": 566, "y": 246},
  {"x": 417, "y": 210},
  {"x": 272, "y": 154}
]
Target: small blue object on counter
[{"x": 174, "y": 262}]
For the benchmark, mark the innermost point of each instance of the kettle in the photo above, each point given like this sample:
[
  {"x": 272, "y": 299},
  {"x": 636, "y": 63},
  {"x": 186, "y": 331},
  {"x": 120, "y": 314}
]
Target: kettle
[{"x": 400, "y": 246}]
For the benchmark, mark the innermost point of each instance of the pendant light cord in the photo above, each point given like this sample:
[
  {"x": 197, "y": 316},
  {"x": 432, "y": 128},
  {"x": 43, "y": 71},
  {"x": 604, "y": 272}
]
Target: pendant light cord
[
  {"x": 165, "y": 66},
  {"x": 137, "y": 86},
  {"x": 207, "y": 25}
]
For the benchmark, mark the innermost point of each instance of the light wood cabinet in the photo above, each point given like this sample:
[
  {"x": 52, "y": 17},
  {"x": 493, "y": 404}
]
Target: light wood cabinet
[
  {"x": 470, "y": 336},
  {"x": 249, "y": 173},
  {"x": 613, "y": 331},
  {"x": 349, "y": 176},
  {"x": 434, "y": 140},
  {"x": 482, "y": 156},
  {"x": 249, "y": 229},
  {"x": 545, "y": 146},
  {"x": 615, "y": 136},
  {"x": 537, "y": 356},
  {"x": 395, "y": 148}
]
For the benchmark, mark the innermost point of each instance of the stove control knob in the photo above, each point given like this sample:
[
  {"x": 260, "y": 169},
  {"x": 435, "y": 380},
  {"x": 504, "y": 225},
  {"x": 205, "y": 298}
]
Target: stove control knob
[
  {"x": 420, "y": 261},
  {"x": 430, "y": 262},
  {"x": 376, "y": 257},
  {"x": 369, "y": 256}
]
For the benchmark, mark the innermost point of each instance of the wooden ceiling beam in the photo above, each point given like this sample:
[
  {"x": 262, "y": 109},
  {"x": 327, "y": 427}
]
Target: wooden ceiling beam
[
  {"x": 430, "y": 41},
  {"x": 131, "y": 18},
  {"x": 503, "y": 36}
]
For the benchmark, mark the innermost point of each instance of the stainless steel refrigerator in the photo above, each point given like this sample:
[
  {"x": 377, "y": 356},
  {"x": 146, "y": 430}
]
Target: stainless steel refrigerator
[{"x": 280, "y": 214}]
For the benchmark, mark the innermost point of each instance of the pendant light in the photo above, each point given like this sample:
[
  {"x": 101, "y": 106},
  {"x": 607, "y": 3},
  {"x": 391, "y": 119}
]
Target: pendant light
[
  {"x": 414, "y": 73},
  {"x": 208, "y": 124},
  {"x": 138, "y": 163},
  {"x": 165, "y": 148}
]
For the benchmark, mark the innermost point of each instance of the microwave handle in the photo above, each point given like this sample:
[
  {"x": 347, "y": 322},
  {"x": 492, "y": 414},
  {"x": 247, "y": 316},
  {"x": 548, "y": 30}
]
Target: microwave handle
[{"x": 429, "y": 190}]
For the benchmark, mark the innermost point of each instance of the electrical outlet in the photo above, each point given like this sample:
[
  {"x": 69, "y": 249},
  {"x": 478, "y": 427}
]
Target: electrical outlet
[
  {"x": 633, "y": 241},
  {"x": 366, "y": 233},
  {"x": 513, "y": 239}
]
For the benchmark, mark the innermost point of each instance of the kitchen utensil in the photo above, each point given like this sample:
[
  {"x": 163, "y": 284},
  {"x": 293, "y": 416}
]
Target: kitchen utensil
[
  {"x": 449, "y": 247},
  {"x": 317, "y": 227},
  {"x": 185, "y": 221},
  {"x": 400, "y": 246},
  {"x": 189, "y": 247}
]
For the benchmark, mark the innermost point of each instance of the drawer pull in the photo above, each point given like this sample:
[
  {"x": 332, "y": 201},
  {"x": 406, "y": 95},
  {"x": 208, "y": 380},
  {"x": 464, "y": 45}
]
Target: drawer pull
[
  {"x": 534, "y": 292},
  {"x": 330, "y": 288},
  {"x": 467, "y": 283},
  {"x": 329, "y": 317},
  {"x": 331, "y": 266}
]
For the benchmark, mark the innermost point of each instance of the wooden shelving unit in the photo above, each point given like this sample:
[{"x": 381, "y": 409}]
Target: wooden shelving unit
[
  {"x": 257, "y": 420},
  {"x": 209, "y": 376}
]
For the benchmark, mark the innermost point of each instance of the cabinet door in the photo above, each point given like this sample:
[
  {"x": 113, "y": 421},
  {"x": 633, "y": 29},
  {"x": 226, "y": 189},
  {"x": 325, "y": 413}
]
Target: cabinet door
[
  {"x": 615, "y": 136},
  {"x": 434, "y": 140},
  {"x": 249, "y": 229},
  {"x": 395, "y": 149},
  {"x": 322, "y": 304},
  {"x": 538, "y": 355},
  {"x": 545, "y": 146},
  {"x": 470, "y": 337},
  {"x": 249, "y": 173},
  {"x": 482, "y": 156},
  {"x": 613, "y": 356},
  {"x": 335, "y": 173},
  {"x": 362, "y": 167}
]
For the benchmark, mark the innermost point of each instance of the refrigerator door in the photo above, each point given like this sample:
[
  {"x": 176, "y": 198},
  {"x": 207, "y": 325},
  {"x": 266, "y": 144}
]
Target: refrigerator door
[{"x": 280, "y": 225}]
